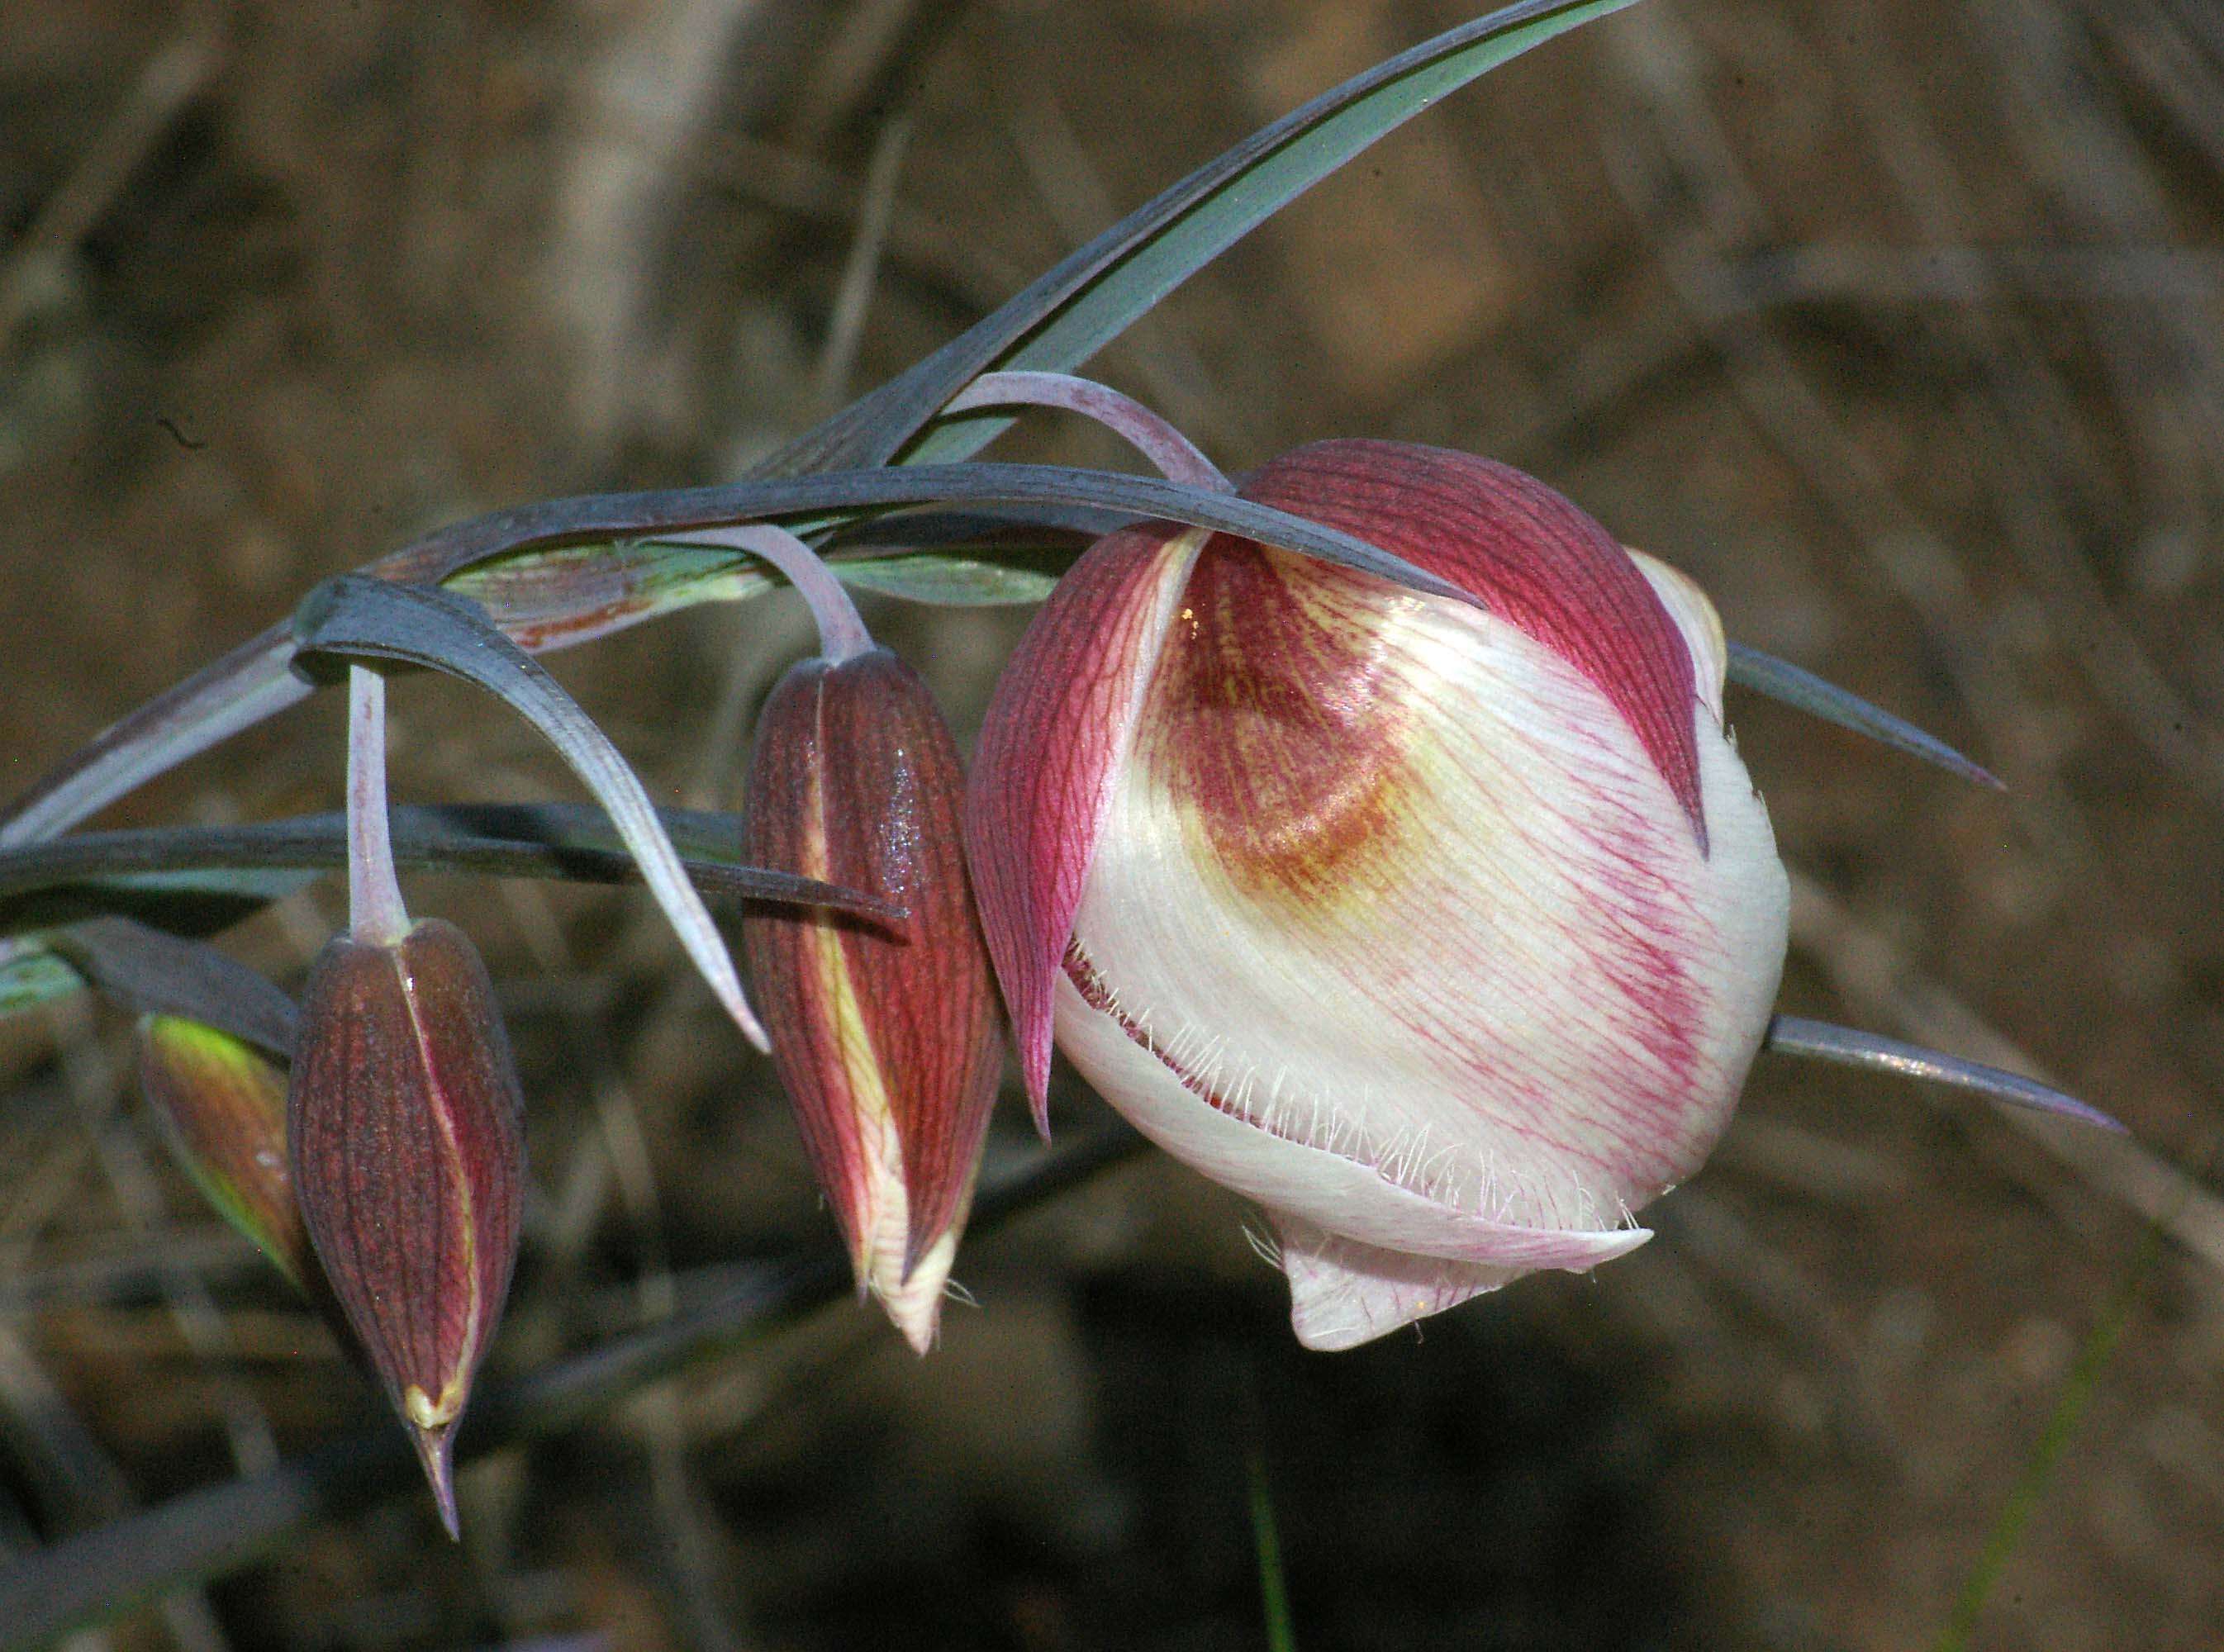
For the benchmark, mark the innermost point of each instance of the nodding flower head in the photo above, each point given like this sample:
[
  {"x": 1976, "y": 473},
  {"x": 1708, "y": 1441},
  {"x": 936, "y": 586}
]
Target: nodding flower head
[
  {"x": 404, "y": 1128},
  {"x": 1445, "y": 931}
]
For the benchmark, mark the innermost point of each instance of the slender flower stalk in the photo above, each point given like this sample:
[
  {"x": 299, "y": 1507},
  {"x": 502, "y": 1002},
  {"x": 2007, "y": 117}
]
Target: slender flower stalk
[
  {"x": 842, "y": 633},
  {"x": 404, "y": 1128},
  {"x": 1178, "y": 458},
  {"x": 376, "y": 914}
]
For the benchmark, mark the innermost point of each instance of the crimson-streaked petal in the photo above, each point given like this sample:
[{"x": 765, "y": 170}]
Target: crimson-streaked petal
[
  {"x": 1526, "y": 552},
  {"x": 1057, "y": 732},
  {"x": 1394, "y": 926},
  {"x": 888, "y": 1040},
  {"x": 1444, "y": 929}
]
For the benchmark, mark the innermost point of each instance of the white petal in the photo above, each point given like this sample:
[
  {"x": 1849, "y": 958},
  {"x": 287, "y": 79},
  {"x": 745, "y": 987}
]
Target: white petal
[
  {"x": 1522, "y": 992},
  {"x": 1305, "y": 1181},
  {"x": 1343, "y": 1294},
  {"x": 1695, "y": 618}
]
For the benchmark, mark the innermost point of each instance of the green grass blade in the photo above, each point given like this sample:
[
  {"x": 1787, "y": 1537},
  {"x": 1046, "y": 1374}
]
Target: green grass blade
[
  {"x": 234, "y": 870},
  {"x": 2078, "y": 1388},
  {"x": 948, "y": 581},
  {"x": 1273, "y": 1588}
]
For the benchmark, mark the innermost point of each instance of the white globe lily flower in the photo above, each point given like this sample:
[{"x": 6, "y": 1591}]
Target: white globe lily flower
[{"x": 1444, "y": 932}]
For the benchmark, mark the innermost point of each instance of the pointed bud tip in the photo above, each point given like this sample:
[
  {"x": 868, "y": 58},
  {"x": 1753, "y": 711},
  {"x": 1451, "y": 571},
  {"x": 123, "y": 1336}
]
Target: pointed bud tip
[
  {"x": 914, "y": 1308},
  {"x": 1034, "y": 1076},
  {"x": 436, "y": 1451},
  {"x": 913, "y": 1301}
]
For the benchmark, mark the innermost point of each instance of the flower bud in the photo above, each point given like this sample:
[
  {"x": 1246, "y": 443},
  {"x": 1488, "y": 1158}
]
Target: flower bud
[
  {"x": 408, "y": 1150},
  {"x": 1445, "y": 931},
  {"x": 222, "y": 1104},
  {"x": 888, "y": 1040}
]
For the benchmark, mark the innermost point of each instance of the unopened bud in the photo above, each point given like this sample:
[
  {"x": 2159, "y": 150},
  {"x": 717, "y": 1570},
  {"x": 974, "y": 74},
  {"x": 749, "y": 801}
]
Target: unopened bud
[
  {"x": 223, "y": 1103},
  {"x": 408, "y": 1152},
  {"x": 888, "y": 1040}
]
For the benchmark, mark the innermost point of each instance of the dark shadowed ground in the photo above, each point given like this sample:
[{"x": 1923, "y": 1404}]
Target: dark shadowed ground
[{"x": 1900, "y": 325}]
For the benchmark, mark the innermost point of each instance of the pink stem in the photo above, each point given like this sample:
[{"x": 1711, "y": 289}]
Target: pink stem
[
  {"x": 1177, "y": 457},
  {"x": 842, "y": 633},
  {"x": 376, "y": 914}
]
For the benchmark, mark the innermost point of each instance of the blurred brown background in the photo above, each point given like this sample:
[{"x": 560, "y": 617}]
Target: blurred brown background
[{"x": 1897, "y": 324}]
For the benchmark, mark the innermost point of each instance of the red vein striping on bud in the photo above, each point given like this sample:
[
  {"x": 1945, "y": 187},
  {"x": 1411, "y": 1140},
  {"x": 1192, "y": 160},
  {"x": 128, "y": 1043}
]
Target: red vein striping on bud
[
  {"x": 888, "y": 1040},
  {"x": 406, "y": 1129}
]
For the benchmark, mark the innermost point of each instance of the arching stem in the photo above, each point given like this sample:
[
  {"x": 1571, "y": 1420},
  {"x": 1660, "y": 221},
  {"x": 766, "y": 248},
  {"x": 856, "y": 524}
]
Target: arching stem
[
  {"x": 1177, "y": 457},
  {"x": 842, "y": 633}
]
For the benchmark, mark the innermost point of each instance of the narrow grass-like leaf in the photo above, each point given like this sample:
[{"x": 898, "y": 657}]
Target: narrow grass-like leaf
[
  {"x": 358, "y": 617},
  {"x": 1095, "y": 293},
  {"x": 1266, "y": 1546},
  {"x": 2079, "y": 1387},
  {"x": 251, "y": 682},
  {"x": 569, "y": 841},
  {"x": 237, "y": 691},
  {"x": 1780, "y": 680},
  {"x": 181, "y": 902},
  {"x": 835, "y": 495},
  {"x": 153, "y": 974},
  {"x": 997, "y": 531},
  {"x": 1794, "y": 1035}
]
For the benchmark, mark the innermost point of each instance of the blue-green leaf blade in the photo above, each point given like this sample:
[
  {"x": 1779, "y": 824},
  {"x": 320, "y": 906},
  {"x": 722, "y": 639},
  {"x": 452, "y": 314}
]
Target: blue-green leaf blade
[
  {"x": 1094, "y": 294},
  {"x": 1796, "y": 1035},
  {"x": 1802, "y": 690},
  {"x": 248, "y": 866},
  {"x": 947, "y": 581}
]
